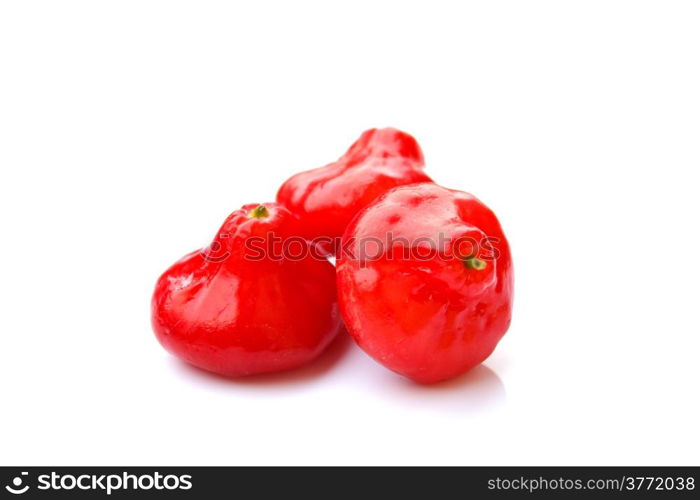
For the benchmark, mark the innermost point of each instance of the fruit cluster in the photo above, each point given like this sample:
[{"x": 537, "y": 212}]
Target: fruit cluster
[{"x": 423, "y": 278}]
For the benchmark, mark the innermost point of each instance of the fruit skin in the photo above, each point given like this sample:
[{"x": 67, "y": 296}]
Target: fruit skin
[
  {"x": 225, "y": 313},
  {"x": 427, "y": 319},
  {"x": 327, "y": 198}
]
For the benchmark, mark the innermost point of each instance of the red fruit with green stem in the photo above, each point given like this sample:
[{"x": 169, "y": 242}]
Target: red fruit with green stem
[
  {"x": 235, "y": 310},
  {"x": 425, "y": 281}
]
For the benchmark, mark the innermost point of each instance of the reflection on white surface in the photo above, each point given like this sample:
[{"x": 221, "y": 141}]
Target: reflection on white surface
[
  {"x": 478, "y": 390},
  {"x": 344, "y": 367}
]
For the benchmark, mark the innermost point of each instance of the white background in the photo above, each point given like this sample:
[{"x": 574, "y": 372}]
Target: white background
[{"x": 129, "y": 130}]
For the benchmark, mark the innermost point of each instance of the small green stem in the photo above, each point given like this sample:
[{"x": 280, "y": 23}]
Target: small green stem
[
  {"x": 259, "y": 212},
  {"x": 474, "y": 263}
]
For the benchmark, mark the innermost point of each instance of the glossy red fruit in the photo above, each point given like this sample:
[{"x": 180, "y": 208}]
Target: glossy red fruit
[
  {"x": 236, "y": 310},
  {"x": 327, "y": 198},
  {"x": 433, "y": 299}
]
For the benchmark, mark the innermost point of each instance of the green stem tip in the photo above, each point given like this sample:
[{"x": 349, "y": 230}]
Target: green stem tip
[
  {"x": 259, "y": 212},
  {"x": 474, "y": 263}
]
